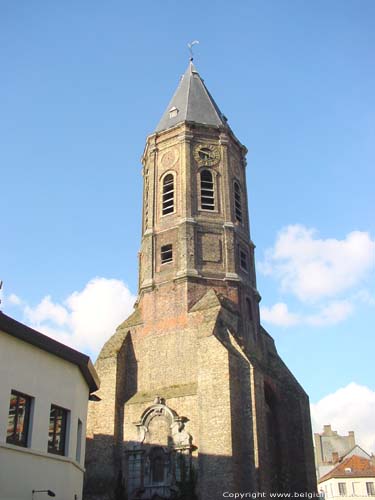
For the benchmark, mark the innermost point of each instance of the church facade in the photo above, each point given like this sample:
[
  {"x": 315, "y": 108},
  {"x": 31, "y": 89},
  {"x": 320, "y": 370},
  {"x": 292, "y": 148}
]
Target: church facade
[{"x": 195, "y": 400}]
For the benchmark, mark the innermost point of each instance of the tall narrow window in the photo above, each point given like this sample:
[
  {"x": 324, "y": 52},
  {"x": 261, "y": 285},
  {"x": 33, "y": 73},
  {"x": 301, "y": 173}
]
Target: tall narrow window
[
  {"x": 166, "y": 254},
  {"x": 370, "y": 489},
  {"x": 249, "y": 310},
  {"x": 237, "y": 202},
  {"x": 207, "y": 191},
  {"x": 18, "y": 418},
  {"x": 342, "y": 489},
  {"x": 57, "y": 430},
  {"x": 244, "y": 263},
  {"x": 79, "y": 441},
  {"x": 157, "y": 458},
  {"x": 168, "y": 194},
  {"x": 146, "y": 198}
]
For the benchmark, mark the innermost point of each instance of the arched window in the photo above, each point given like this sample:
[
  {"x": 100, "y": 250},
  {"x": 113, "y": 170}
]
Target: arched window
[
  {"x": 237, "y": 202},
  {"x": 207, "y": 191},
  {"x": 168, "y": 194}
]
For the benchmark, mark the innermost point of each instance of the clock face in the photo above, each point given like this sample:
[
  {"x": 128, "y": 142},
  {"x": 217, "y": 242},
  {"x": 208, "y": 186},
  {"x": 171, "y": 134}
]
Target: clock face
[{"x": 206, "y": 155}]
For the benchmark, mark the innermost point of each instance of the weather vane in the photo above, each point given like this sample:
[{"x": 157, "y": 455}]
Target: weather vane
[{"x": 190, "y": 45}]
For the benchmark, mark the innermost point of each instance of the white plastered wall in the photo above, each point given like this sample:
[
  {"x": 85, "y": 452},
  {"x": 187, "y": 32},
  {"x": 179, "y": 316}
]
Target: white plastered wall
[
  {"x": 355, "y": 487},
  {"x": 48, "y": 379}
]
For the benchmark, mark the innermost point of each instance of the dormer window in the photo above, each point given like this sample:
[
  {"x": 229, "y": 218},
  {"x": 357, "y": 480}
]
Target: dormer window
[
  {"x": 173, "y": 112},
  {"x": 168, "y": 194}
]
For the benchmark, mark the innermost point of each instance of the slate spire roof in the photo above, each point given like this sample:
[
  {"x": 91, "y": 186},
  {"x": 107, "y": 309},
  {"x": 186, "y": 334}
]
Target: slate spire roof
[{"x": 191, "y": 102}]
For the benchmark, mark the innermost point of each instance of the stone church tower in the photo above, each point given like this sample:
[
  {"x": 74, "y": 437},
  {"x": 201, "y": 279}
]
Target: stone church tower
[{"x": 195, "y": 400}]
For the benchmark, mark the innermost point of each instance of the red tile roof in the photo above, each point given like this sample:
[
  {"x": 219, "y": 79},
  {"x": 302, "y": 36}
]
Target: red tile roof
[{"x": 359, "y": 467}]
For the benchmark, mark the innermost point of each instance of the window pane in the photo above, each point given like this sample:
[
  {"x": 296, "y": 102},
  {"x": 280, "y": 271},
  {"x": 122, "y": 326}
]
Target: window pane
[
  {"x": 56, "y": 430},
  {"x": 79, "y": 441},
  {"x": 12, "y": 415},
  {"x": 207, "y": 191},
  {"x": 166, "y": 254},
  {"x": 21, "y": 417},
  {"x": 342, "y": 489},
  {"x": 237, "y": 202},
  {"x": 51, "y": 428},
  {"x": 18, "y": 418},
  {"x": 168, "y": 195},
  {"x": 243, "y": 261}
]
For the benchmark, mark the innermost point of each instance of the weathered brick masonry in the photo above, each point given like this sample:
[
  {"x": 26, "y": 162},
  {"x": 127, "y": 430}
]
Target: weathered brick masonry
[{"x": 195, "y": 400}]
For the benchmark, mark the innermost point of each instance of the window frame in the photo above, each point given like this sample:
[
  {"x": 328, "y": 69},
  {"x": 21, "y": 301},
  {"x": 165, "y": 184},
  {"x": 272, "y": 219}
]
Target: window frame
[
  {"x": 249, "y": 309},
  {"x": 237, "y": 202},
  {"x": 157, "y": 465},
  {"x": 163, "y": 194},
  {"x": 242, "y": 252},
  {"x": 61, "y": 448},
  {"x": 370, "y": 488},
  {"x": 164, "y": 250},
  {"x": 342, "y": 489},
  {"x": 12, "y": 439},
  {"x": 214, "y": 190},
  {"x": 79, "y": 440}
]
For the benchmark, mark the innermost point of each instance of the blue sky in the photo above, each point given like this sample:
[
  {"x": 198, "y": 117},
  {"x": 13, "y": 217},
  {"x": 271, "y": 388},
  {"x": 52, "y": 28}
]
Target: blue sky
[{"x": 83, "y": 84}]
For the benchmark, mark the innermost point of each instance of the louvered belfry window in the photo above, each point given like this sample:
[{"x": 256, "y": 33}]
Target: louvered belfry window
[
  {"x": 166, "y": 253},
  {"x": 237, "y": 202},
  {"x": 168, "y": 195},
  {"x": 207, "y": 191}
]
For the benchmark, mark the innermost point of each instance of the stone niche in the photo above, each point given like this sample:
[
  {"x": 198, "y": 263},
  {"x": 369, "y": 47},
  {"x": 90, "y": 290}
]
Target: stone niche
[{"x": 158, "y": 464}]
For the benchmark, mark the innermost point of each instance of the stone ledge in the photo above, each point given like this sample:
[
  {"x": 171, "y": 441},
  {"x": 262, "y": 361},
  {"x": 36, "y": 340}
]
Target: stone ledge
[
  {"x": 42, "y": 454},
  {"x": 173, "y": 391}
]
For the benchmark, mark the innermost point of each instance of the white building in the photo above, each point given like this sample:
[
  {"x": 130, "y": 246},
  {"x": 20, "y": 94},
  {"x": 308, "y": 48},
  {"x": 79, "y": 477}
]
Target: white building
[
  {"x": 330, "y": 448},
  {"x": 353, "y": 477},
  {"x": 44, "y": 391}
]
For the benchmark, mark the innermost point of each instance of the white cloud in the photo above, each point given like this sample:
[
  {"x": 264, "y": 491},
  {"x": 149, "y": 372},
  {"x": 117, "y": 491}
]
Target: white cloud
[
  {"x": 278, "y": 314},
  {"x": 87, "y": 318},
  {"x": 313, "y": 268},
  {"x": 99, "y": 309},
  {"x": 333, "y": 313},
  {"x": 366, "y": 297},
  {"x": 46, "y": 310},
  {"x": 351, "y": 408},
  {"x": 14, "y": 299}
]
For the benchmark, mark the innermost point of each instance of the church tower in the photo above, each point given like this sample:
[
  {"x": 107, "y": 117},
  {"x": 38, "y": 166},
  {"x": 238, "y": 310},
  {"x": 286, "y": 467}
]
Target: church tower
[{"x": 195, "y": 400}]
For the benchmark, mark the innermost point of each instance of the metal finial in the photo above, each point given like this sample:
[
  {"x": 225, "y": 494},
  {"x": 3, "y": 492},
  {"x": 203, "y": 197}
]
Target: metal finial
[{"x": 190, "y": 45}]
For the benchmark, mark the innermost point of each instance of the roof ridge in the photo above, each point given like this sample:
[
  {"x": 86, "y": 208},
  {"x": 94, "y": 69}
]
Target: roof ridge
[
  {"x": 219, "y": 114},
  {"x": 189, "y": 88}
]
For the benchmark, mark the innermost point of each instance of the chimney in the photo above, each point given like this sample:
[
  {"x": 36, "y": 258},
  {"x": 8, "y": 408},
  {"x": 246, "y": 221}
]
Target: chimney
[{"x": 335, "y": 457}]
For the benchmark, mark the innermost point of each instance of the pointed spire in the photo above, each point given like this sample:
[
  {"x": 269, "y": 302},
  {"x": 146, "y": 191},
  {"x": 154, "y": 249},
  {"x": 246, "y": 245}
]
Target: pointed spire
[{"x": 191, "y": 102}]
